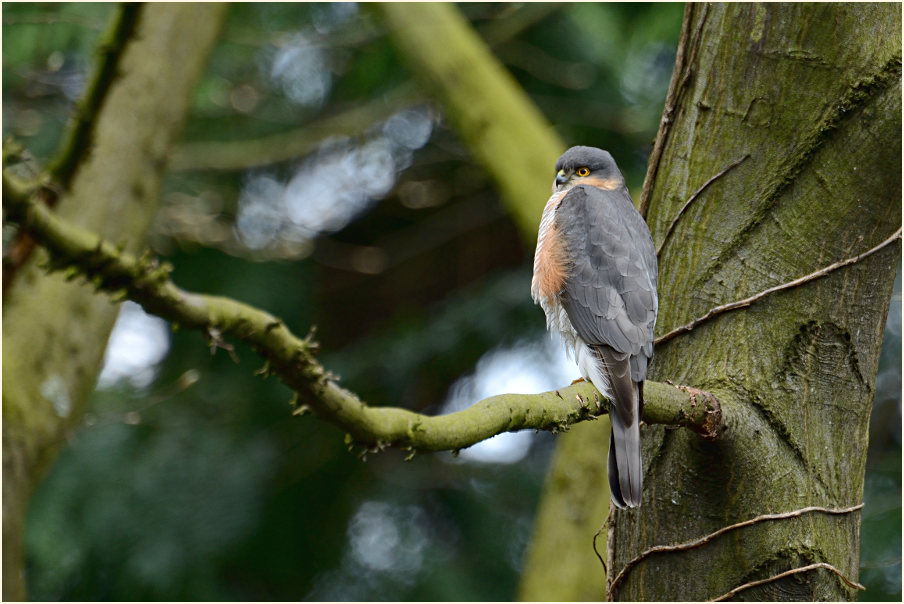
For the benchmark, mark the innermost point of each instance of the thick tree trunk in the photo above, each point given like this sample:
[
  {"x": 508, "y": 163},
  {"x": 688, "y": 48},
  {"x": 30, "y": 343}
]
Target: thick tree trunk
[
  {"x": 55, "y": 331},
  {"x": 811, "y": 92}
]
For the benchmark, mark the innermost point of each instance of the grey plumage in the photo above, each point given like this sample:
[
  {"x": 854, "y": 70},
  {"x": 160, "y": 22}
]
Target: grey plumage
[{"x": 608, "y": 297}]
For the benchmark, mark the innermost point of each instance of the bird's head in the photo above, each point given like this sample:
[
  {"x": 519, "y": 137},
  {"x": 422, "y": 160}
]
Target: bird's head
[{"x": 587, "y": 166}]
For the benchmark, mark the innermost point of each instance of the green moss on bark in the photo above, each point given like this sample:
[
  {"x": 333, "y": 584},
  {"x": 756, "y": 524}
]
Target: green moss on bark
[{"x": 812, "y": 93}]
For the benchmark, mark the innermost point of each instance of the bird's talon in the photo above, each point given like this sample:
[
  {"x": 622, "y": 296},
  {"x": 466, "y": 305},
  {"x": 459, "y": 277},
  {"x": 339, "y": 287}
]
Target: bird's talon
[{"x": 577, "y": 381}]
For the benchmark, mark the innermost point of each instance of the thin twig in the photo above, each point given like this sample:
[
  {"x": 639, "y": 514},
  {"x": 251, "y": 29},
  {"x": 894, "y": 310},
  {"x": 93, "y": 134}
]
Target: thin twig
[
  {"x": 679, "y": 547},
  {"x": 718, "y": 310},
  {"x": 693, "y": 197},
  {"x": 688, "y": 71},
  {"x": 596, "y": 551},
  {"x": 787, "y": 573},
  {"x": 680, "y": 76}
]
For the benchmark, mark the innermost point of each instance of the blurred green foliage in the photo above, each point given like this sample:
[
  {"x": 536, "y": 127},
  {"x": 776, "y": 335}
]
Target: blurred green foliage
[{"x": 200, "y": 485}]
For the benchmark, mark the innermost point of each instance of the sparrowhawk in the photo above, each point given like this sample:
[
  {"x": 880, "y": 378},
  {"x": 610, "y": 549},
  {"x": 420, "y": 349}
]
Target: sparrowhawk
[{"x": 595, "y": 277}]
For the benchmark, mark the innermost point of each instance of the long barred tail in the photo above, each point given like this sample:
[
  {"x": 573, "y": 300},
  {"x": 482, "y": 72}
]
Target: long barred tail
[{"x": 625, "y": 464}]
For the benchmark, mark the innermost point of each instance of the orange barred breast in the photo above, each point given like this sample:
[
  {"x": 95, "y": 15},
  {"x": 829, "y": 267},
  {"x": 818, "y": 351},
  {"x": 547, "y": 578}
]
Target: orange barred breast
[{"x": 551, "y": 262}]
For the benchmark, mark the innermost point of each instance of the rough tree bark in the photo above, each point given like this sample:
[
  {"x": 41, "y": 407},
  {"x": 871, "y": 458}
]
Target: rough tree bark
[
  {"x": 55, "y": 331},
  {"x": 811, "y": 93}
]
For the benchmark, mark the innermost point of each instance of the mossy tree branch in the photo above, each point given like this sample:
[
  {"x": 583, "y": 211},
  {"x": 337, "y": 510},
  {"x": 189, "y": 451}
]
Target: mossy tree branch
[
  {"x": 78, "y": 138},
  {"x": 292, "y": 358}
]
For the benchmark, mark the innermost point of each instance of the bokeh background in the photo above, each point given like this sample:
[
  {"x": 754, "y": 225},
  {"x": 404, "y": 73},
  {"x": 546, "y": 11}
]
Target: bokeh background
[{"x": 367, "y": 217}]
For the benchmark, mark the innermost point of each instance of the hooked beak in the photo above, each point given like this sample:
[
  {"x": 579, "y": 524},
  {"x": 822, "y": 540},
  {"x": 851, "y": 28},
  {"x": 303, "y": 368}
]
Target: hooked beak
[{"x": 561, "y": 178}]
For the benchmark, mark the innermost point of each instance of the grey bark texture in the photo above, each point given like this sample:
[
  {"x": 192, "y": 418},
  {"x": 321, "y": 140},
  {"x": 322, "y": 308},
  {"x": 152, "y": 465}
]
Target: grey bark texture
[
  {"x": 812, "y": 93},
  {"x": 55, "y": 331}
]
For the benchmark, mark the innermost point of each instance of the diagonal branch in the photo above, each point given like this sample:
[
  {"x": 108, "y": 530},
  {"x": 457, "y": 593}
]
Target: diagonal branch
[
  {"x": 292, "y": 359},
  {"x": 718, "y": 310}
]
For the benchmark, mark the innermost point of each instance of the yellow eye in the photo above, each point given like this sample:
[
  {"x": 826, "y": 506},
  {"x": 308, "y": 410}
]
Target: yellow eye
[{"x": 582, "y": 171}]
